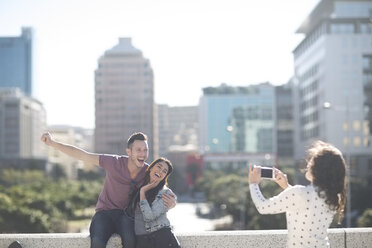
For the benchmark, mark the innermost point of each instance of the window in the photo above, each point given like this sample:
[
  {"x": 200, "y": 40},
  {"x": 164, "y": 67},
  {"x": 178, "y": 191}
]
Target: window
[
  {"x": 356, "y": 125},
  {"x": 366, "y": 142},
  {"x": 357, "y": 141},
  {"x": 346, "y": 141},
  {"x": 365, "y": 28},
  {"x": 367, "y": 62},
  {"x": 342, "y": 28},
  {"x": 345, "y": 126},
  {"x": 366, "y": 128}
]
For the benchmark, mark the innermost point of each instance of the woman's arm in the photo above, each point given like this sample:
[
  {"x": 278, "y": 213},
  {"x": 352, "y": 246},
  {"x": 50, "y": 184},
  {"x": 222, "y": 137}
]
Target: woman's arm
[
  {"x": 290, "y": 199},
  {"x": 157, "y": 208}
]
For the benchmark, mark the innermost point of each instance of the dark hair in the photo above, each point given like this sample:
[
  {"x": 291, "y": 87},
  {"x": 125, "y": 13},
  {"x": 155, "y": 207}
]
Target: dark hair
[
  {"x": 150, "y": 194},
  {"x": 134, "y": 137},
  {"x": 328, "y": 169}
]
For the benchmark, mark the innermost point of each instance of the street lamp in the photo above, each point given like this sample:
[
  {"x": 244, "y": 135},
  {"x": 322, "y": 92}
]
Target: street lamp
[{"x": 328, "y": 105}]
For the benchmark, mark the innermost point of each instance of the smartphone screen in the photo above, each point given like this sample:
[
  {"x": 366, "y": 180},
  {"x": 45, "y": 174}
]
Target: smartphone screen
[{"x": 266, "y": 172}]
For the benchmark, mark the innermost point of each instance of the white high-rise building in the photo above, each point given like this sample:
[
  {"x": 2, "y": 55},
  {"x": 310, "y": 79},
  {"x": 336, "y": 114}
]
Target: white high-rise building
[
  {"x": 124, "y": 98},
  {"x": 333, "y": 81},
  {"x": 22, "y": 122}
]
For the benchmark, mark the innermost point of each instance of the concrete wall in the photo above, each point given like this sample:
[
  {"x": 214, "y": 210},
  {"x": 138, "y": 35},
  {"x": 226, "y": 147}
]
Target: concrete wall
[{"x": 340, "y": 238}]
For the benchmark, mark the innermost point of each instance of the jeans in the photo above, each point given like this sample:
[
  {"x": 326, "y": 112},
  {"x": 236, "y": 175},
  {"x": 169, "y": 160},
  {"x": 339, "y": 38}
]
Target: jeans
[
  {"x": 159, "y": 239},
  {"x": 107, "y": 222}
]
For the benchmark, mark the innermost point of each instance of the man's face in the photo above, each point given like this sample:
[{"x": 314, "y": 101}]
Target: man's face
[{"x": 138, "y": 153}]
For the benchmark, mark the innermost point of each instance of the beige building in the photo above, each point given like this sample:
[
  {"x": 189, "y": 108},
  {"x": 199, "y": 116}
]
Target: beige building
[
  {"x": 124, "y": 98},
  {"x": 177, "y": 126},
  {"x": 22, "y": 121}
]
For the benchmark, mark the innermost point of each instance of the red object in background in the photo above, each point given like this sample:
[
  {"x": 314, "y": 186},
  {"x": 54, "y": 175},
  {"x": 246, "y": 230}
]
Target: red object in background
[{"x": 194, "y": 168}]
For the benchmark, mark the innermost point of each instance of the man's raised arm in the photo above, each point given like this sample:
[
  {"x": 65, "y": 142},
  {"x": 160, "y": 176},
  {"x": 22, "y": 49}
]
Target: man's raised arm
[{"x": 70, "y": 150}]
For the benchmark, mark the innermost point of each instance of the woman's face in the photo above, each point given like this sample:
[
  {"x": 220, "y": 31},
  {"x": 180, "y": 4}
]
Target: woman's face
[
  {"x": 308, "y": 174},
  {"x": 159, "y": 171}
]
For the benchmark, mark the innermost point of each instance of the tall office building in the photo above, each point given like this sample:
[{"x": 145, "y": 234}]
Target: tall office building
[
  {"x": 284, "y": 124},
  {"x": 333, "y": 81},
  {"x": 16, "y": 61},
  {"x": 22, "y": 122},
  {"x": 177, "y": 127},
  {"x": 237, "y": 124},
  {"x": 124, "y": 98}
]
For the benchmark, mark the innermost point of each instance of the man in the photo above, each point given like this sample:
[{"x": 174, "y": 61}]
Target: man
[{"x": 124, "y": 174}]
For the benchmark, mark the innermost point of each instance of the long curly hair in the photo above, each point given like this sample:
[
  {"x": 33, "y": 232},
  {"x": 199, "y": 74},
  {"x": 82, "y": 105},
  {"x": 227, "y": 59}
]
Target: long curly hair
[
  {"x": 151, "y": 194},
  {"x": 328, "y": 169}
]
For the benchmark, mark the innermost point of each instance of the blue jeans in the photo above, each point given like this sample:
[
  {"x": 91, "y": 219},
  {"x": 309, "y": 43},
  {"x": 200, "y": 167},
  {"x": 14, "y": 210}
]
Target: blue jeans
[{"x": 107, "y": 222}]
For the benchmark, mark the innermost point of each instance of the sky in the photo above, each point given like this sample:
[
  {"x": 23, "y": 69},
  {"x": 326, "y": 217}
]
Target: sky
[{"x": 191, "y": 44}]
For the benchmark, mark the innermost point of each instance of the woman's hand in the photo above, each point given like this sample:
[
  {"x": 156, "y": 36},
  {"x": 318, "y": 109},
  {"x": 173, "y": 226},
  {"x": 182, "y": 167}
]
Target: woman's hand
[
  {"x": 281, "y": 179},
  {"x": 147, "y": 187},
  {"x": 150, "y": 185},
  {"x": 254, "y": 174}
]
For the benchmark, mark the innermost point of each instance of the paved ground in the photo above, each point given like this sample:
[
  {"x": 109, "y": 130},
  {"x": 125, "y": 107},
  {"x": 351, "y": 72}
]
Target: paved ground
[{"x": 183, "y": 218}]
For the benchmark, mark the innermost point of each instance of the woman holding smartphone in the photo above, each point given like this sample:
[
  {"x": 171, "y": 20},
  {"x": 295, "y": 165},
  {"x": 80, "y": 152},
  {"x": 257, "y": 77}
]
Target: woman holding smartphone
[
  {"x": 309, "y": 209},
  {"x": 151, "y": 225}
]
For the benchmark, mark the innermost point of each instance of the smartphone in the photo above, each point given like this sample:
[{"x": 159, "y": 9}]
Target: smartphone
[{"x": 266, "y": 172}]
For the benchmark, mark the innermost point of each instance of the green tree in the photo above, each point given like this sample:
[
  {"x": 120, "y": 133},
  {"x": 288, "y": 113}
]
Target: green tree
[{"x": 365, "y": 220}]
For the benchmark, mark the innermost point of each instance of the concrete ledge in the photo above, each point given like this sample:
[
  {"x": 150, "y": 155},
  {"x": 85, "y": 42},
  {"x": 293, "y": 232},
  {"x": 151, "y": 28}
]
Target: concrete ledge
[{"x": 340, "y": 238}]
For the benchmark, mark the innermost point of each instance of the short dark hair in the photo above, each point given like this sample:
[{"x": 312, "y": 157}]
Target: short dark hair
[{"x": 134, "y": 137}]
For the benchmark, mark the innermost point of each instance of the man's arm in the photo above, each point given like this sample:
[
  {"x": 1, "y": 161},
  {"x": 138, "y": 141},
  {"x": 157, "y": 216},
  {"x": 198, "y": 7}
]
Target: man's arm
[{"x": 70, "y": 150}]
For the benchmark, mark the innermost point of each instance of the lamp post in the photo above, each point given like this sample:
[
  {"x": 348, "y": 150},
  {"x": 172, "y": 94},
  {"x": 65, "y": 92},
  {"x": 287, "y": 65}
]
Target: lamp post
[{"x": 328, "y": 105}]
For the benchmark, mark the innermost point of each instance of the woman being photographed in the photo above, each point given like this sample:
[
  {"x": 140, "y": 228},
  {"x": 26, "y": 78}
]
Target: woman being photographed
[
  {"x": 152, "y": 227},
  {"x": 309, "y": 209}
]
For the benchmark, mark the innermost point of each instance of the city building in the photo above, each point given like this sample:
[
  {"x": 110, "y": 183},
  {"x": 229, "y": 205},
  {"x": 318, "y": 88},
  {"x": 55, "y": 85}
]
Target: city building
[
  {"x": 22, "y": 122},
  {"x": 284, "y": 125},
  {"x": 237, "y": 125},
  {"x": 124, "y": 98},
  {"x": 177, "y": 126},
  {"x": 16, "y": 61},
  {"x": 332, "y": 84}
]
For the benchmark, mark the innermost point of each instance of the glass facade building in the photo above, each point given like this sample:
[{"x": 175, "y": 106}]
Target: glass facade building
[
  {"x": 16, "y": 61},
  {"x": 237, "y": 119}
]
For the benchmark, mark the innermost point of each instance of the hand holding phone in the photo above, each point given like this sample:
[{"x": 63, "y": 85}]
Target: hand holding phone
[{"x": 266, "y": 172}]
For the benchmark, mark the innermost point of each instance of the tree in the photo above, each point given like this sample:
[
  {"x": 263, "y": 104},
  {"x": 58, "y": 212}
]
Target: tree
[{"x": 366, "y": 219}]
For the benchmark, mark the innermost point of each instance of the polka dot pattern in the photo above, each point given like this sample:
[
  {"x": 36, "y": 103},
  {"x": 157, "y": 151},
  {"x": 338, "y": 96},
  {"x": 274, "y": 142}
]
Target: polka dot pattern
[{"x": 308, "y": 216}]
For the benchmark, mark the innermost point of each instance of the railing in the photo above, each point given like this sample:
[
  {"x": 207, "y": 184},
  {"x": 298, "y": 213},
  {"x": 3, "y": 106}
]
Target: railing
[{"x": 339, "y": 238}]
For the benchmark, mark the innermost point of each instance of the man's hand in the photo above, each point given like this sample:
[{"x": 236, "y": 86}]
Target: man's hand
[
  {"x": 47, "y": 138},
  {"x": 169, "y": 200}
]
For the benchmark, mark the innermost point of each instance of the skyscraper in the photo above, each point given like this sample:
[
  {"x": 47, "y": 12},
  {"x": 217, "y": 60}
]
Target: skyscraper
[
  {"x": 124, "y": 98},
  {"x": 284, "y": 124},
  {"x": 22, "y": 122},
  {"x": 333, "y": 81},
  {"x": 16, "y": 61},
  {"x": 237, "y": 124}
]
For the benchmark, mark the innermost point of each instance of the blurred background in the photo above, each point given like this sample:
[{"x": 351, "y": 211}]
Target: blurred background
[{"x": 216, "y": 86}]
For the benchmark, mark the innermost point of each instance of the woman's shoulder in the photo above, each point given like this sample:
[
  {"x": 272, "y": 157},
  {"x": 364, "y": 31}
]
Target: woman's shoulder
[{"x": 300, "y": 189}]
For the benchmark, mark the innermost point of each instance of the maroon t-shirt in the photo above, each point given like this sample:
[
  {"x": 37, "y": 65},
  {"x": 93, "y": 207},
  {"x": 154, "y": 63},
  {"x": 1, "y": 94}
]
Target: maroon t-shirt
[{"x": 115, "y": 192}]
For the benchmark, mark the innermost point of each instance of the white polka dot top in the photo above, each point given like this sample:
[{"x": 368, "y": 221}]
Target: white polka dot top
[{"x": 308, "y": 216}]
